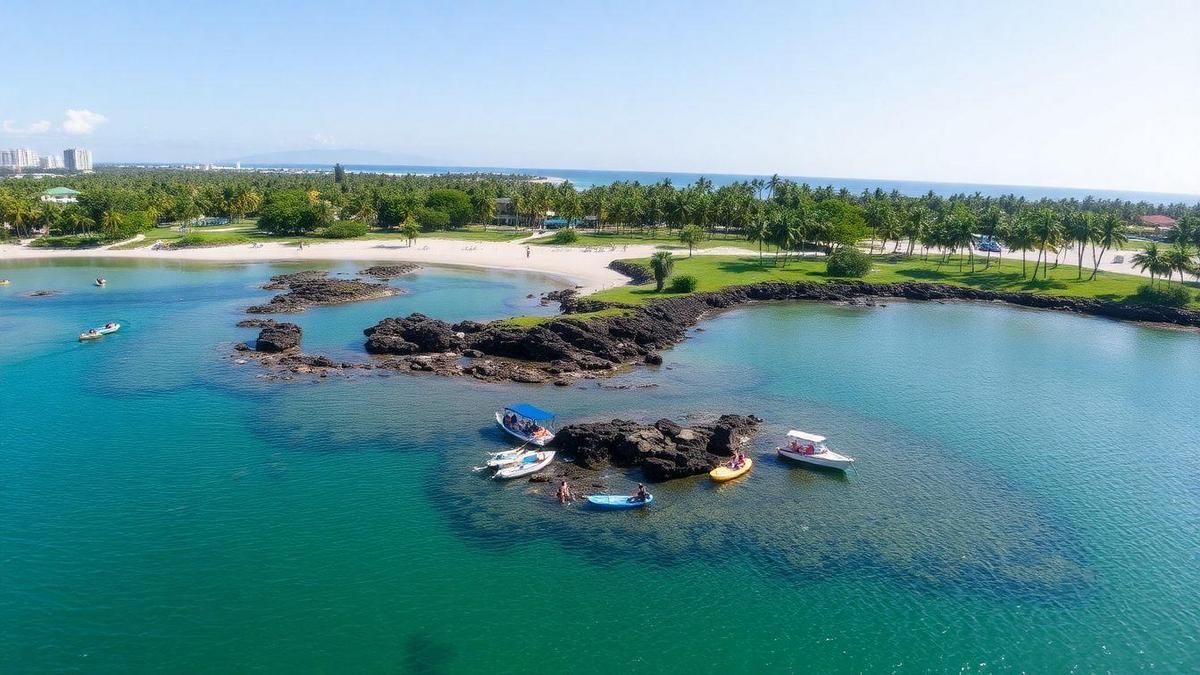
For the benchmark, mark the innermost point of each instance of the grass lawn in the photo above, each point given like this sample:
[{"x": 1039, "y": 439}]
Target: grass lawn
[
  {"x": 715, "y": 272},
  {"x": 659, "y": 237},
  {"x": 170, "y": 234},
  {"x": 469, "y": 233},
  {"x": 527, "y": 321}
]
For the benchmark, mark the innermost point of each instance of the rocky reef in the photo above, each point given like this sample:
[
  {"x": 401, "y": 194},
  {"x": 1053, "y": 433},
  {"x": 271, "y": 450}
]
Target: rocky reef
[
  {"x": 277, "y": 337},
  {"x": 314, "y": 287},
  {"x": 565, "y": 348},
  {"x": 389, "y": 271},
  {"x": 663, "y": 450}
]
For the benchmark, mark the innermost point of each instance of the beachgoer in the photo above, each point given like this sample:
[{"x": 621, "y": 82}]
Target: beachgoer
[
  {"x": 528, "y": 251},
  {"x": 564, "y": 492},
  {"x": 640, "y": 495}
]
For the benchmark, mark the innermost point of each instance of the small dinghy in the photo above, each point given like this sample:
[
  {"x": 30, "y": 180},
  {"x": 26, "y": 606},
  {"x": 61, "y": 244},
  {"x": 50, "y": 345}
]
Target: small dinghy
[
  {"x": 507, "y": 457},
  {"x": 97, "y": 333},
  {"x": 4, "y": 282},
  {"x": 618, "y": 501},
  {"x": 723, "y": 473},
  {"x": 810, "y": 449},
  {"x": 532, "y": 464},
  {"x": 100, "y": 281},
  {"x": 529, "y": 423}
]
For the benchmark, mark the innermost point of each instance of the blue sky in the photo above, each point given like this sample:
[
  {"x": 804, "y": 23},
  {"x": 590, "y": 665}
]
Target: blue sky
[{"x": 1079, "y": 94}]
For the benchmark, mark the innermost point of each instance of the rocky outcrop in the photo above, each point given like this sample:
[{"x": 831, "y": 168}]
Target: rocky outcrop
[
  {"x": 278, "y": 337},
  {"x": 638, "y": 274},
  {"x": 389, "y": 271},
  {"x": 314, "y": 287},
  {"x": 566, "y": 348},
  {"x": 663, "y": 451}
]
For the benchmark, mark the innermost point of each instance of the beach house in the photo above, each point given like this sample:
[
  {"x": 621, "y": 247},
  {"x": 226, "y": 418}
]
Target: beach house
[{"x": 60, "y": 195}]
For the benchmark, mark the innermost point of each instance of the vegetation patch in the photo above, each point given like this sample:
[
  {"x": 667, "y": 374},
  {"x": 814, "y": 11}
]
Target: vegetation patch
[{"x": 847, "y": 261}]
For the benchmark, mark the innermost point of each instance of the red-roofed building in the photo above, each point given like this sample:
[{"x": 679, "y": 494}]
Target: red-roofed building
[{"x": 1159, "y": 222}]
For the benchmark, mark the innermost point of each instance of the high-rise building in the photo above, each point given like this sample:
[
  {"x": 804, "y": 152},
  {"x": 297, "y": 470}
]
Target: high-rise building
[
  {"x": 50, "y": 162},
  {"x": 18, "y": 158},
  {"x": 77, "y": 159}
]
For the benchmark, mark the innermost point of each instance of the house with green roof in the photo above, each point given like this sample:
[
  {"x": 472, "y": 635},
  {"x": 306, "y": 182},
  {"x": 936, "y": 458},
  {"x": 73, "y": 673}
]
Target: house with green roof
[{"x": 60, "y": 195}]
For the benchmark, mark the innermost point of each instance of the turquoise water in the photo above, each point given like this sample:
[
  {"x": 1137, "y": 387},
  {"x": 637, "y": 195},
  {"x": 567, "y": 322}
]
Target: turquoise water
[{"x": 1027, "y": 496}]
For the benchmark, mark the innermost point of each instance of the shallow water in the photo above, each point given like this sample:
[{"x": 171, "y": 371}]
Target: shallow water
[{"x": 1027, "y": 495}]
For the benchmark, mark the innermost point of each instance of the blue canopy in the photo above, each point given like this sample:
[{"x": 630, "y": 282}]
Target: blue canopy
[{"x": 530, "y": 412}]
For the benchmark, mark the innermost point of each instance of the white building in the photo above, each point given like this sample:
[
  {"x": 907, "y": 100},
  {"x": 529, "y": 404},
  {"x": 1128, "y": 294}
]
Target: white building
[
  {"x": 77, "y": 159},
  {"x": 60, "y": 195},
  {"x": 50, "y": 162},
  {"x": 18, "y": 158}
]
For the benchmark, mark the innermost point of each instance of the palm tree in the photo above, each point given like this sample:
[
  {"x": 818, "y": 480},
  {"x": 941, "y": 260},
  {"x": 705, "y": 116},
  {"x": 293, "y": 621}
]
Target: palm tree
[
  {"x": 1180, "y": 259},
  {"x": 960, "y": 232},
  {"x": 916, "y": 224},
  {"x": 1047, "y": 232},
  {"x": 410, "y": 230},
  {"x": 991, "y": 222},
  {"x": 1019, "y": 237},
  {"x": 757, "y": 231},
  {"x": 1154, "y": 260},
  {"x": 882, "y": 220},
  {"x": 692, "y": 235},
  {"x": 1082, "y": 229},
  {"x": 1110, "y": 233},
  {"x": 111, "y": 221},
  {"x": 661, "y": 264}
]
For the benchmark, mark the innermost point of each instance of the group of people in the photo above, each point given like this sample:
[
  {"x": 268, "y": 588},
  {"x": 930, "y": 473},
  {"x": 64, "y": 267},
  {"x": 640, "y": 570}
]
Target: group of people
[
  {"x": 523, "y": 426},
  {"x": 796, "y": 447},
  {"x": 564, "y": 493},
  {"x": 738, "y": 461}
]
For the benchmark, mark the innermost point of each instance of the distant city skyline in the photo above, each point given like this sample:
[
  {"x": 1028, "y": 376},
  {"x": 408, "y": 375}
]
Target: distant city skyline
[{"x": 1091, "y": 95}]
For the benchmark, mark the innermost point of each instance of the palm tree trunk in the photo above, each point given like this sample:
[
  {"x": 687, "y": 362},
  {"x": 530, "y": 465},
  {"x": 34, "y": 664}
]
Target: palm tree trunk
[{"x": 1097, "y": 261}]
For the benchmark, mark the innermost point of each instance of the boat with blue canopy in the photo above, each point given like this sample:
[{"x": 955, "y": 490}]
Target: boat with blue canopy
[{"x": 528, "y": 423}]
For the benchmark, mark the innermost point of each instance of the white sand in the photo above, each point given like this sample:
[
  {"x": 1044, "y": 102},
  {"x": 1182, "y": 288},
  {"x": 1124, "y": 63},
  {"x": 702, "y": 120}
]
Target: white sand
[{"x": 577, "y": 266}]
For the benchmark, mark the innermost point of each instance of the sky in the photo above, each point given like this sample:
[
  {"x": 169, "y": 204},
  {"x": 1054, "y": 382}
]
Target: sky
[{"x": 1090, "y": 94}]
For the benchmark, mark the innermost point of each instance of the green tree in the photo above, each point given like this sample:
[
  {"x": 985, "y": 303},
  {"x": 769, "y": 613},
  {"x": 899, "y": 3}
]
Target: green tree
[
  {"x": 1110, "y": 233},
  {"x": 1019, "y": 237},
  {"x": 456, "y": 204},
  {"x": 1081, "y": 230},
  {"x": 1179, "y": 257},
  {"x": 991, "y": 223},
  {"x": 1154, "y": 260},
  {"x": 692, "y": 235},
  {"x": 1047, "y": 233},
  {"x": 410, "y": 230},
  {"x": 661, "y": 264}
]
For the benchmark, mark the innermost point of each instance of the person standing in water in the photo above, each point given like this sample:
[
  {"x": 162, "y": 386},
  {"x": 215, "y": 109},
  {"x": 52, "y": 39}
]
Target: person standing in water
[{"x": 564, "y": 492}]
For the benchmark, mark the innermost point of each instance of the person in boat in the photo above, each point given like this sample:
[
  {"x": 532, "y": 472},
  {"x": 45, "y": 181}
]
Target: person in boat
[
  {"x": 564, "y": 492},
  {"x": 810, "y": 449},
  {"x": 738, "y": 461},
  {"x": 109, "y": 324},
  {"x": 641, "y": 495},
  {"x": 793, "y": 445}
]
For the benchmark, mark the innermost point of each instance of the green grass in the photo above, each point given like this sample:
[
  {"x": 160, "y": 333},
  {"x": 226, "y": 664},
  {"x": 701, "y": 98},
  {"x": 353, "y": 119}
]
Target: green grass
[
  {"x": 207, "y": 239},
  {"x": 716, "y": 272},
  {"x": 170, "y": 234},
  {"x": 528, "y": 321},
  {"x": 472, "y": 233},
  {"x": 659, "y": 237}
]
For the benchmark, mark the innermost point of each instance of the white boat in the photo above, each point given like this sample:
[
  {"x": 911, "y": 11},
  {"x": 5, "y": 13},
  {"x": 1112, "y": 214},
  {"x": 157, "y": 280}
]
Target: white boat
[
  {"x": 97, "y": 333},
  {"x": 100, "y": 281},
  {"x": 528, "y": 465},
  {"x": 509, "y": 457},
  {"x": 528, "y": 423},
  {"x": 810, "y": 449}
]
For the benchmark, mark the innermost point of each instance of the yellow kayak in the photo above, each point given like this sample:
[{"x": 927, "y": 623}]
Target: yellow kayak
[{"x": 724, "y": 473}]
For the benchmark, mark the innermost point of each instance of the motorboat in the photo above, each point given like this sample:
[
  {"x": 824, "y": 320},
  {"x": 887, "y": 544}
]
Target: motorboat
[
  {"x": 101, "y": 281},
  {"x": 509, "y": 457},
  {"x": 527, "y": 465},
  {"x": 97, "y": 333},
  {"x": 527, "y": 422},
  {"x": 810, "y": 449}
]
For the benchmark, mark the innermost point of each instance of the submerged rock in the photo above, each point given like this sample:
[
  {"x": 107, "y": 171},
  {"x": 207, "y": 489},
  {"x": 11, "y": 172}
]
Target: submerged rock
[
  {"x": 663, "y": 451},
  {"x": 389, "y": 271}
]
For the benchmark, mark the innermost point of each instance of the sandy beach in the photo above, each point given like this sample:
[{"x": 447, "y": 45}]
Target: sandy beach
[
  {"x": 586, "y": 267},
  {"x": 577, "y": 266}
]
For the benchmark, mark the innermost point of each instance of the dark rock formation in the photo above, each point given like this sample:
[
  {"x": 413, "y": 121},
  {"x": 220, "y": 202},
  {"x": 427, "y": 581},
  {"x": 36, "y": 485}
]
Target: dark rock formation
[
  {"x": 278, "y": 337},
  {"x": 663, "y": 451},
  {"x": 43, "y": 293},
  {"x": 638, "y": 274},
  {"x": 565, "y": 349},
  {"x": 313, "y": 287},
  {"x": 256, "y": 323},
  {"x": 389, "y": 271}
]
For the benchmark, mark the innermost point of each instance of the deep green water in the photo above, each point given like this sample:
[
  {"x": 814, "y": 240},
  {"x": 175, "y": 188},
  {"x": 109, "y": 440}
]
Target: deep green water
[{"x": 1027, "y": 497}]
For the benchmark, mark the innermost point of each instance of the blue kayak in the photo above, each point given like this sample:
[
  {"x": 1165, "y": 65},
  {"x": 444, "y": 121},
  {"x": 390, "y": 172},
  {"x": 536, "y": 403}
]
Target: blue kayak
[{"x": 618, "y": 501}]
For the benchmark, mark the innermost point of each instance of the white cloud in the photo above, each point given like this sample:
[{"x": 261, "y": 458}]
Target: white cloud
[
  {"x": 80, "y": 122},
  {"x": 323, "y": 139},
  {"x": 39, "y": 127}
]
